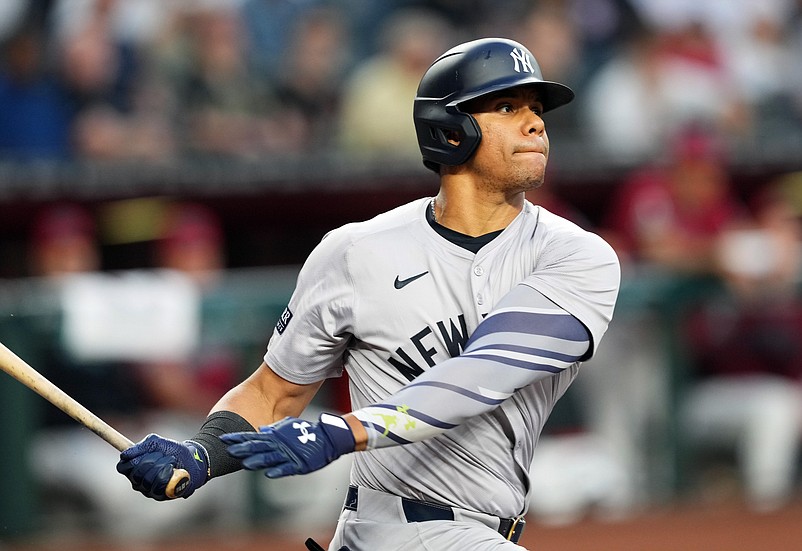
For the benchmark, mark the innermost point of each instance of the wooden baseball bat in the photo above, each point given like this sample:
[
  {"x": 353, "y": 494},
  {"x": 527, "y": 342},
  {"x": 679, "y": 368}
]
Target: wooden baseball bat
[{"x": 27, "y": 375}]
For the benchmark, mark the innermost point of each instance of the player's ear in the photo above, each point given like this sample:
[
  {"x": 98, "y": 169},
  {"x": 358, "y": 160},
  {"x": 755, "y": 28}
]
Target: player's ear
[{"x": 453, "y": 137}]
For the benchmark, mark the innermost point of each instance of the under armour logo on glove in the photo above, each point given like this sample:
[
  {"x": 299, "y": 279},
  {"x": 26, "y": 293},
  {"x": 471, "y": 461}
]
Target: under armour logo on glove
[
  {"x": 281, "y": 451},
  {"x": 305, "y": 435}
]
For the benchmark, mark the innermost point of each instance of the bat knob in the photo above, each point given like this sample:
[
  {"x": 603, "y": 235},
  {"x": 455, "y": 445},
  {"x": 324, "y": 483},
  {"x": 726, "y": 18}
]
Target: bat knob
[{"x": 178, "y": 484}]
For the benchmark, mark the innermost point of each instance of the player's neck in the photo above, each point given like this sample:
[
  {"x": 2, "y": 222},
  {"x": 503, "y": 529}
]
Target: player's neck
[{"x": 472, "y": 212}]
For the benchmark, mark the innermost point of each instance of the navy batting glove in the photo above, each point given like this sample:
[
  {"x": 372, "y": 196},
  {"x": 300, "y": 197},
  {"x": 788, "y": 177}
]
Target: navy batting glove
[
  {"x": 149, "y": 465},
  {"x": 292, "y": 446}
]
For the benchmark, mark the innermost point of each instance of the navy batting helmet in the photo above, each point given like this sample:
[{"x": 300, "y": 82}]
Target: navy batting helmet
[{"x": 466, "y": 72}]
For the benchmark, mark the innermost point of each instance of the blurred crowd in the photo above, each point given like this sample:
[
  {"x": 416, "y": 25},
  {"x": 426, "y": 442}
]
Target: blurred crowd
[{"x": 152, "y": 80}]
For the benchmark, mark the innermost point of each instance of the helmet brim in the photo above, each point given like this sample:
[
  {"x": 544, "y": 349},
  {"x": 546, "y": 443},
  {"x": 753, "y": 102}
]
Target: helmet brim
[{"x": 551, "y": 94}]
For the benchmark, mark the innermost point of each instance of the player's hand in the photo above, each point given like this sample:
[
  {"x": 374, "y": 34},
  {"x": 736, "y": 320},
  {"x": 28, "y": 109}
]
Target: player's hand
[
  {"x": 292, "y": 445},
  {"x": 149, "y": 466}
]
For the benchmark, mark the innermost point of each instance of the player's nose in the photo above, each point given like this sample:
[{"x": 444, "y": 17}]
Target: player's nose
[{"x": 533, "y": 124}]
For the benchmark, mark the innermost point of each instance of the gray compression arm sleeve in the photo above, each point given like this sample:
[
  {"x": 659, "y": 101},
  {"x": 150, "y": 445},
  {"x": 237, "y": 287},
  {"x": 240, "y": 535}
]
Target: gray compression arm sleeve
[{"x": 524, "y": 339}]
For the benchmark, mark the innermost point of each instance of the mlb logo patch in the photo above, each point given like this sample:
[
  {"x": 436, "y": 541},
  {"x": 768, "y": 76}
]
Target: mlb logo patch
[{"x": 283, "y": 320}]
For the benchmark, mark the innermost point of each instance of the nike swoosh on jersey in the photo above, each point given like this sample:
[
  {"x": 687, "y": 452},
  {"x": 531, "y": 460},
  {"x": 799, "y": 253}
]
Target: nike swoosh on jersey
[{"x": 401, "y": 283}]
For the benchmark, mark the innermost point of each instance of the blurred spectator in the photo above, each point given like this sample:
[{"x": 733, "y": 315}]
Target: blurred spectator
[
  {"x": 753, "y": 51},
  {"x": 620, "y": 106},
  {"x": 101, "y": 47},
  {"x": 475, "y": 18},
  {"x": 693, "y": 59},
  {"x": 601, "y": 25},
  {"x": 63, "y": 241},
  {"x": 224, "y": 109},
  {"x": 761, "y": 258},
  {"x": 747, "y": 357},
  {"x": 756, "y": 50},
  {"x": 97, "y": 67},
  {"x": 192, "y": 243},
  {"x": 314, "y": 66},
  {"x": 179, "y": 389},
  {"x": 102, "y": 133},
  {"x": 641, "y": 97},
  {"x": 672, "y": 215},
  {"x": 549, "y": 30},
  {"x": 35, "y": 118},
  {"x": 376, "y": 114},
  {"x": 268, "y": 26}
]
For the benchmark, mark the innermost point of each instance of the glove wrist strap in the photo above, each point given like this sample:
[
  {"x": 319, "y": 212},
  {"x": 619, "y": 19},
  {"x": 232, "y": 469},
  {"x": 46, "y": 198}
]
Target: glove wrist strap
[{"x": 339, "y": 434}]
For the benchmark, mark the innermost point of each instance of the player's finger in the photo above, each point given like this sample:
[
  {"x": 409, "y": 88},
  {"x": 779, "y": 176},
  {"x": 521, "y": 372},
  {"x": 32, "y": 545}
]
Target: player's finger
[
  {"x": 281, "y": 470},
  {"x": 261, "y": 461},
  {"x": 148, "y": 478},
  {"x": 153, "y": 461},
  {"x": 250, "y": 447}
]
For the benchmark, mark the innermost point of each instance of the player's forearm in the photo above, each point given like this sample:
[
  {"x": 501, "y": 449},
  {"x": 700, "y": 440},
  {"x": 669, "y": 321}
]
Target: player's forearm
[{"x": 264, "y": 398}]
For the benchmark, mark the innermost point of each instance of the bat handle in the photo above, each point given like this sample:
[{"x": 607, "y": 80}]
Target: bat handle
[
  {"x": 178, "y": 483},
  {"x": 312, "y": 545}
]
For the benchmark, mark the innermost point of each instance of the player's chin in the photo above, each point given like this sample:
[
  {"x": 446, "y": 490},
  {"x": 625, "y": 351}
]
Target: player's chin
[
  {"x": 534, "y": 184},
  {"x": 534, "y": 163},
  {"x": 528, "y": 178}
]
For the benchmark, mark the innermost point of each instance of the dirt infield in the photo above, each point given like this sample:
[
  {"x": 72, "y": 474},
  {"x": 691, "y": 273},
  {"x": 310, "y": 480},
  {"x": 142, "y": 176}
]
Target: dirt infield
[{"x": 688, "y": 528}]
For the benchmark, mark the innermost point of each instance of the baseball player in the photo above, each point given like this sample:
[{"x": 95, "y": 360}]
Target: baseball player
[{"x": 461, "y": 319}]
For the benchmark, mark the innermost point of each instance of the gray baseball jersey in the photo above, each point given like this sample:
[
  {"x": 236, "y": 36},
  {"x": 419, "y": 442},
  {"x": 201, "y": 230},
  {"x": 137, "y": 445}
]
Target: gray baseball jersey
[{"x": 389, "y": 298}]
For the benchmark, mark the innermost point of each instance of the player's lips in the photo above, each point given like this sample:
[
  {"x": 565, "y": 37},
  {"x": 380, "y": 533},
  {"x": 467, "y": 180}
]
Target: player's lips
[{"x": 530, "y": 148}]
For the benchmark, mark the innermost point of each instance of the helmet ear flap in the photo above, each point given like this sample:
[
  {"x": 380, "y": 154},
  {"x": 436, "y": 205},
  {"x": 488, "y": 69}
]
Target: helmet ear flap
[{"x": 436, "y": 128}]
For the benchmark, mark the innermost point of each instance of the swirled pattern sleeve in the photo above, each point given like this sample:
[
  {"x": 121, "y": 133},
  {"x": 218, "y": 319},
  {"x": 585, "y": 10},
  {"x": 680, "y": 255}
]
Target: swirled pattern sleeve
[{"x": 525, "y": 338}]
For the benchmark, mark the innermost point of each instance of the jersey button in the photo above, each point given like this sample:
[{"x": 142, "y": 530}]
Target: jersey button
[
  {"x": 478, "y": 270},
  {"x": 480, "y": 299}
]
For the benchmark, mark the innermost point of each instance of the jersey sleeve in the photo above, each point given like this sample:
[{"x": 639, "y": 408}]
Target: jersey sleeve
[
  {"x": 527, "y": 337},
  {"x": 310, "y": 337},
  {"x": 580, "y": 272}
]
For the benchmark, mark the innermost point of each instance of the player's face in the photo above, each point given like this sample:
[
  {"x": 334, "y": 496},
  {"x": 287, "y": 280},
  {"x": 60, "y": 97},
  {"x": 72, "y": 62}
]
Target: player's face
[{"x": 514, "y": 148}]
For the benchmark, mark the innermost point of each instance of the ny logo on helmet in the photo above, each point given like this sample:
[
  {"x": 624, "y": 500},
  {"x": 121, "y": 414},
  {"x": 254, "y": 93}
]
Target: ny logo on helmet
[{"x": 523, "y": 58}]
